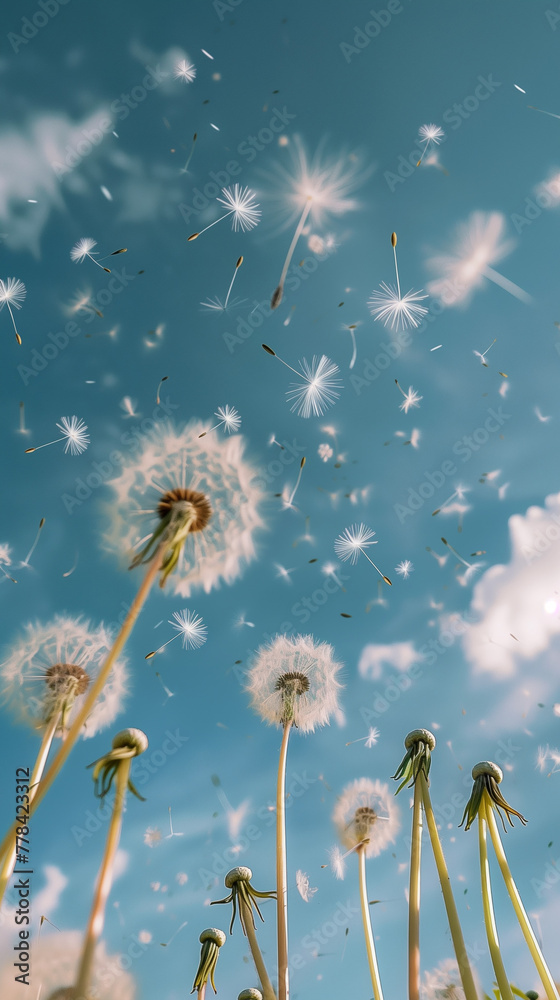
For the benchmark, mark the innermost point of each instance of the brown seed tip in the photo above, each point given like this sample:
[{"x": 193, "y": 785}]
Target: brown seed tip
[
  {"x": 277, "y": 297},
  {"x": 193, "y": 237},
  {"x": 419, "y": 162},
  {"x": 18, "y": 338},
  {"x": 302, "y": 463},
  {"x": 202, "y": 435},
  {"x": 239, "y": 262},
  {"x": 268, "y": 350},
  {"x": 387, "y": 580},
  {"x": 107, "y": 270},
  {"x": 393, "y": 239},
  {"x": 503, "y": 374},
  {"x": 122, "y": 250},
  {"x": 29, "y": 450},
  {"x": 149, "y": 656},
  {"x": 434, "y": 512},
  {"x": 41, "y": 522}
]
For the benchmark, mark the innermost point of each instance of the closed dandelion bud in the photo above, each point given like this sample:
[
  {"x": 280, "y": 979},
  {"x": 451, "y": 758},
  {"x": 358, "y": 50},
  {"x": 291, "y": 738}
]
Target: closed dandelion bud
[
  {"x": 242, "y": 895},
  {"x": 418, "y": 743},
  {"x": 250, "y": 994},
  {"x": 487, "y": 776},
  {"x": 133, "y": 739},
  {"x": 211, "y": 940}
]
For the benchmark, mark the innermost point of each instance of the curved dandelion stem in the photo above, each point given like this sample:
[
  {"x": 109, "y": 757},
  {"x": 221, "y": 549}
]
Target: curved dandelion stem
[
  {"x": 106, "y": 269},
  {"x": 425, "y": 150},
  {"x": 74, "y": 732},
  {"x": 36, "y": 775},
  {"x": 489, "y": 920},
  {"x": 414, "y": 898},
  {"x": 104, "y": 882},
  {"x": 237, "y": 266},
  {"x": 277, "y": 296},
  {"x": 382, "y": 575},
  {"x": 528, "y": 933},
  {"x": 355, "y": 349},
  {"x": 370, "y": 945},
  {"x": 247, "y": 923},
  {"x": 394, "y": 245},
  {"x": 185, "y": 169},
  {"x": 18, "y": 338},
  {"x": 450, "y": 907},
  {"x": 281, "y": 870}
]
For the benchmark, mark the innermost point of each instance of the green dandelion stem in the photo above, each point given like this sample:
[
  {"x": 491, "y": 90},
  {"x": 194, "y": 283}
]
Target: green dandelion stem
[
  {"x": 451, "y": 909},
  {"x": 366, "y": 920},
  {"x": 489, "y": 920},
  {"x": 281, "y": 870},
  {"x": 528, "y": 933},
  {"x": 37, "y": 773},
  {"x": 414, "y": 898},
  {"x": 248, "y": 924},
  {"x": 74, "y": 732},
  {"x": 104, "y": 881}
]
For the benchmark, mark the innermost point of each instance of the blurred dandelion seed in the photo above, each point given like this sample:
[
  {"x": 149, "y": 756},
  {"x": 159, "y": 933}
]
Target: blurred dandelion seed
[
  {"x": 298, "y": 480},
  {"x": 351, "y": 330},
  {"x": 190, "y": 627},
  {"x": 353, "y": 541},
  {"x": 229, "y": 419},
  {"x": 216, "y": 305},
  {"x": 319, "y": 389},
  {"x": 389, "y": 305},
  {"x": 241, "y": 204},
  {"x": 172, "y": 832},
  {"x": 370, "y": 740},
  {"x": 404, "y": 569},
  {"x": 161, "y": 381},
  {"x": 12, "y": 293},
  {"x": 82, "y": 249},
  {"x": 325, "y": 452},
  {"x": 74, "y": 432},
  {"x": 184, "y": 70},
  {"x": 185, "y": 169},
  {"x": 411, "y": 398},
  {"x": 429, "y": 134},
  {"x": 303, "y": 886},
  {"x": 34, "y": 546}
]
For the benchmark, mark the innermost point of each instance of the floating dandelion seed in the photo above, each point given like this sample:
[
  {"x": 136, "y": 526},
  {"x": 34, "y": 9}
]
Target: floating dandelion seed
[
  {"x": 241, "y": 204},
  {"x": 298, "y": 480},
  {"x": 404, "y": 569},
  {"x": 12, "y": 293},
  {"x": 352, "y": 542},
  {"x": 319, "y": 389},
  {"x": 216, "y": 305},
  {"x": 351, "y": 330},
  {"x": 152, "y": 836},
  {"x": 389, "y": 305},
  {"x": 184, "y": 70},
  {"x": 229, "y": 419},
  {"x": 483, "y": 355},
  {"x": 190, "y": 627},
  {"x": 33, "y": 547},
  {"x": 6, "y": 560},
  {"x": 325, "y": 452},
  {"x": 303, "y": 886},
  {"x": 370, "y": 740},
  {"x": 82, "y": 249},
  {"x": 411, "y": 398},
  {"x": 74, "y": 432},
  {"x": 317, "y": 186},
  {"x": 429, "y": 134},
  {"x": 479, "y": 243},
  {"x": 455, "y": 553},
  {"x": 185, "y": 169}
]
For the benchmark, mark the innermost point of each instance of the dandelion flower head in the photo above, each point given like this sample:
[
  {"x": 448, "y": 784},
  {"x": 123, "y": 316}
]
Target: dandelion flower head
[
  {"x": 294, "y": 679},
  {"x": 205, "y": 479},
  {"x": 366, "y": 812},
  {"x": 49, "y": 668}
]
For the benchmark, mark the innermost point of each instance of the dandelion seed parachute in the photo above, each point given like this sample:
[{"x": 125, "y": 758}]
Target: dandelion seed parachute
[{"x": 12, "y": 293}]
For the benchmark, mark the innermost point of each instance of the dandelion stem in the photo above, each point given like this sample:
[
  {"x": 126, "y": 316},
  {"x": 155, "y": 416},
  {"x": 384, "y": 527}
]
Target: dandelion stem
[
  {"x": 18, "y": 338},
  {"x": 94, "y": 692},
  {"x": 414, "y": 898},
  {"x": 247, "y": 922},
  {"x": 370, "y": 945},
  {"x": 37, "y": 773},
  {"x": 201, "y": 992},
  {"x": 281, "y": 870},
  {"x": 450, "y": 907},
  {"x": 104, "y": 882},
  {"x": 489, "y": 920},
  {"x": 354, "y": 349},
  {"x": 237, "y": 266},
  {"x": 277, "y": 296},
  {"x": 528, "y": 933},
  {"x": 396, "y": 269}
]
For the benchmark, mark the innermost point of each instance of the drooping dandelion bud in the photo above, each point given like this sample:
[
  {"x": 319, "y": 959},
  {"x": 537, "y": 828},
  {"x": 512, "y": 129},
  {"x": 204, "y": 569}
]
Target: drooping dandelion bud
[
  {"x": 250, "y": 994},
  {"x": 487, "y": 776},
  {"x": 242, "y": 895},
  {"x": 126, "y": 744},
  {"x": 419, "y": 743},
  {"x": 211, "y": 940}
]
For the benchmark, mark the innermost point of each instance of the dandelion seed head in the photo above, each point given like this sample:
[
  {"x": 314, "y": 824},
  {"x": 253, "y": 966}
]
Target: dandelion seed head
[
  {"x": 411, "y": 398},
  {"x": 82, "y": 249},
  {"x": 240, "y": 201},
  {"x": 75, "y": 432},
  {"x": 184, "y": 70},
  {"x": 366, "y": 810},
  {"x": 192, "y": 628},
  {"x": 47, "y": 661},
  {"x": 175, "y": 466},
  {"x": 319, "y": 389},
  {"x": 400, "y": 312},
  {"x": 353, "y": 541},
  {"x": 404, "y": 569},
  {"x": 303, "y": 886},
  {"x": 294, "y": 679},
  {"x": 152, "y": 836},
  {"x": 229, "y": 418},
  {"x": 431, "y": 133}
]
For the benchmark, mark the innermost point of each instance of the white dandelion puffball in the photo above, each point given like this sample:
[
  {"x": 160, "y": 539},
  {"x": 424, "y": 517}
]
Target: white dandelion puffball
[
  {"x": 58, "y": 661},
  {"x": 443, "y": 982},
  {"x": 366, "y": 811},
  {"x": 294, "y": 679},
  {"x": 170, "y": 465},
  {"x": 55, "y": 960}
]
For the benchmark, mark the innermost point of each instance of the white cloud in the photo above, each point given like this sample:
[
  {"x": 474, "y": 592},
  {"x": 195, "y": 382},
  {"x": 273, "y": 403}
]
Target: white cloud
[
  {"x": 520, "y": 599},
  {"x": 47, "y": 900},
  {"x": 400, "y": 655}
]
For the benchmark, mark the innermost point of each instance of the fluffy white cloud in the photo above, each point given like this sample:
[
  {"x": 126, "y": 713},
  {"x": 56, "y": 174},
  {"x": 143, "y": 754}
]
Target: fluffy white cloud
[
  {"x": 400, "y": 655},
  {"x": 518, "y": 604}
]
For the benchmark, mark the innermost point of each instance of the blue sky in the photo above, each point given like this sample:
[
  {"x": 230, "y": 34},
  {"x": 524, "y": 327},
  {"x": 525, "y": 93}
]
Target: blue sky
[{"x": 491, "y": 692}]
